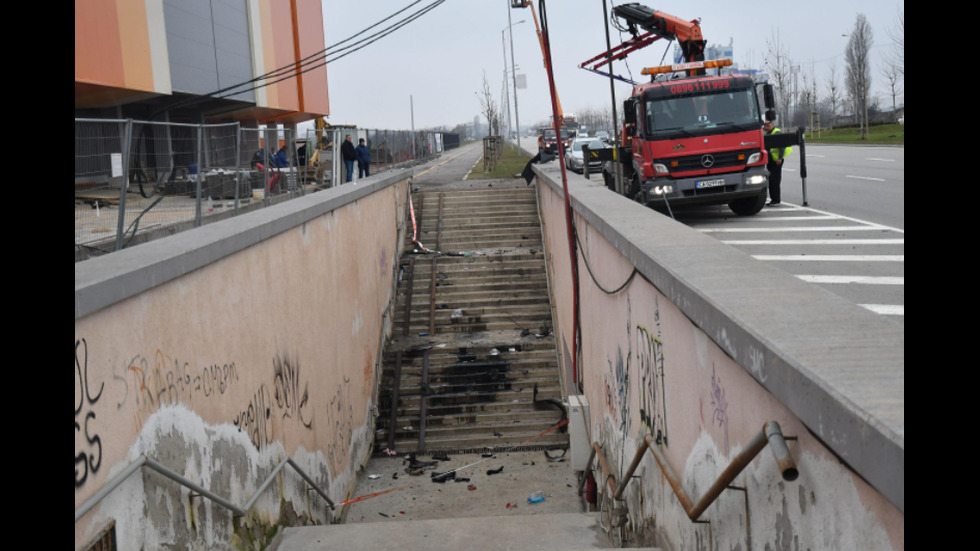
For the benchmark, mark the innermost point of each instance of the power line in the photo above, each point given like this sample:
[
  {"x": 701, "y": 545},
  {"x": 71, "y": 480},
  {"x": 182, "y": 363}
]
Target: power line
[{"x": 301, "y": 66}]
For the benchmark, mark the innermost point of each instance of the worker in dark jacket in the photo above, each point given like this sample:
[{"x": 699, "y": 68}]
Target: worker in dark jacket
[
  {"x": 349, "y": 155},
  {"x": 363, "y": 159}
]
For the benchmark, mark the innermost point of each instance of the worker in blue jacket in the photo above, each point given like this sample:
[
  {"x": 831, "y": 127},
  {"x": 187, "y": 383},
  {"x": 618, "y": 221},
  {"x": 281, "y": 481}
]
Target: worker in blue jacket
[{"x": 363, "y": 159}]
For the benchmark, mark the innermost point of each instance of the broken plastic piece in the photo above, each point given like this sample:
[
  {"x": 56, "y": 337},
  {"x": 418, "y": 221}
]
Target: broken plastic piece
[
  {"x": 495, "y": 471},
  {"x": 536, "y": 497},
  {"x": 374, "y": 476},
  {"x": 442, "y": 477}
]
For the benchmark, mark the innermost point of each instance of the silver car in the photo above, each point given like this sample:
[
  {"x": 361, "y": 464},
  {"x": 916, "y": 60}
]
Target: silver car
[{"x": 573, "y": 155}]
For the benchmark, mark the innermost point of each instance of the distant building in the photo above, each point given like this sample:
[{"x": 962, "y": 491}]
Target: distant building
[{"x": 156, "y": 58}]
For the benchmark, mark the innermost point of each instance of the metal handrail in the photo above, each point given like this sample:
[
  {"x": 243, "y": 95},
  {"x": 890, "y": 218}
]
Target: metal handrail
[
  {"x": 144, "y": 461},
  {"x": 770, "y": 434}
]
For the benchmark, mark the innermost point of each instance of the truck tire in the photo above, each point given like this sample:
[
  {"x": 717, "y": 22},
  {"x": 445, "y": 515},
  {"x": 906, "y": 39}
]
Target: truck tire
[{"x": 748, "y": 205}]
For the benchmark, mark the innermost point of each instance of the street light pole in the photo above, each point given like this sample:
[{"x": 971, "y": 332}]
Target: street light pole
[{"x": 513, "y": 72}]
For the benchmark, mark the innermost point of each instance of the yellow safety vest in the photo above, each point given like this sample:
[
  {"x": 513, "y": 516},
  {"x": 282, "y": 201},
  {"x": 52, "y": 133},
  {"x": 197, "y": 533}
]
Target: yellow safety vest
[{"x": 777, "y": 153}]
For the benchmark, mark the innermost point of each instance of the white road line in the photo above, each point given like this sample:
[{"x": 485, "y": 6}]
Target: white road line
[
  {"x": 795, "y": 229},
  {"x": 880, "y": 159},
  {"x": 818, "y": 211},
  {"x": 816, "y": 242},
  {"x": 864, "y": 280},
  {"x": 831, "y": 257},
  {"x": 886, "y": 309},
  {"x": 869, "y": 178}
]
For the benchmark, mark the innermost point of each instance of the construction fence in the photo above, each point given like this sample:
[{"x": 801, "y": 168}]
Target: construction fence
[{"x": 137, "y": 180}]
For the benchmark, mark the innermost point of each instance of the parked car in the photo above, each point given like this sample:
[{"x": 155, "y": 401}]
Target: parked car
[{"x": 574, "y": 159}]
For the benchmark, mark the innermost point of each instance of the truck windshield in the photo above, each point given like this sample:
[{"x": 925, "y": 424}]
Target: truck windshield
[{"x": 697, "y": 114}]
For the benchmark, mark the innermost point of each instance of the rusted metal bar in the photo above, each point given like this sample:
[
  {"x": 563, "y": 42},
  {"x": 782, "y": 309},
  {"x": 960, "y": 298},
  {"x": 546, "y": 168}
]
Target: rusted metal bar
[
  {"x": 424, "y": 398},
  {"x": 408, "y": 297},
  {"x": 636, "y": 462},
  {"x": 585, "y": 472},
  {"x": 610, "y": 479},
  {"x": 770, "y": 434},
  {"x": 393, "y": 423}
]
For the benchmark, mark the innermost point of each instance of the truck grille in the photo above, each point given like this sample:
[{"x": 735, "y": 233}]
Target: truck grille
[{"x": 701, "y": 162}]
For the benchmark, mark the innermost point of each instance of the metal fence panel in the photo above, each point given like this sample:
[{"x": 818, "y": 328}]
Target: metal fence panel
[{"x": 138, "y": 180}]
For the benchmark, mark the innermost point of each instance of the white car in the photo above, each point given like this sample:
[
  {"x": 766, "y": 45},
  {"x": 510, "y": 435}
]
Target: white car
[{"x": 573, "y": 154}]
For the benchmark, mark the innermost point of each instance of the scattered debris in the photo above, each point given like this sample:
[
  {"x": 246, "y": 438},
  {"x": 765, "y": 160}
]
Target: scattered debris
[
  {"x": 384, "y": 515},
  {"x": 441, "y": 456},
  {"x": 374, "y": 476},
  {"x": 389, "y": 452},
  {"x": 471, "y": 487},
  {"x": 495, "y": 471},
  {"x": 442, "y": 477},
  {"x": 461, "y": 479},
  {"x": 536, "y": 497},
  {"x": 556, "y": 458}
]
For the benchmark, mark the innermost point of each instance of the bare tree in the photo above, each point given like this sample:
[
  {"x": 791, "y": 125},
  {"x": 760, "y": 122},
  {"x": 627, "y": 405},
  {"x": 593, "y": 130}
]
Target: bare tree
[
  {"x": 896, "y": 56},
  {"x": 833, "y": 94},
  {"x": 488, "y": 108},
  {"x": 858, "y": 80},
  {"x": 780, "y": 70}
]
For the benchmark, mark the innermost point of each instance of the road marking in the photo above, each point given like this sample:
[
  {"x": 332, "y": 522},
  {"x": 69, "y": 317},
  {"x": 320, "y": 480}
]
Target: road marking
[
  {"x": 842, "y": 217},
  {"x": 886, "y": 309},
  {"x": 817, "y": 242},
  {"x": 869, "y": 178},
  {"x": 831, "y": 257},
  {"x": 864, "y": 280},
  {"x": 880, "y": 159},
  {"x": 795, "y": 229}
]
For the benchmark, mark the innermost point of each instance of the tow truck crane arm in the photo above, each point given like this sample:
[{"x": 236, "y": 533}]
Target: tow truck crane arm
[{"x": 658, "y": 25}]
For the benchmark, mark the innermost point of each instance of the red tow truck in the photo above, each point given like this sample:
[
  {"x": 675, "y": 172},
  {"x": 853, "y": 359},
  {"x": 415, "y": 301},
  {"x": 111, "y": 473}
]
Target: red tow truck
[{"x": 688, "y": 137}]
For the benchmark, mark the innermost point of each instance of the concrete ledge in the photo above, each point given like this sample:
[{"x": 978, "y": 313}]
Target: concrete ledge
[
  {"x": 106, "y": 280},
  {"x": 835, "y": 365}
]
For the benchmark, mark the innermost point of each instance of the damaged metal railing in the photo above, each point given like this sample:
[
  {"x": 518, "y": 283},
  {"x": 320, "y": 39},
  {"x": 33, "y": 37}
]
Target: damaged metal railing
[
  {"x": 144, "y": 461},
  {"x": 770, "y": 434}
]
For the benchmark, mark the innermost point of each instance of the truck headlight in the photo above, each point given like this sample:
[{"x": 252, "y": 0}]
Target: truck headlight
[
  {"x": 660, "y": 168},
  {"x": 754, "y": 158}
]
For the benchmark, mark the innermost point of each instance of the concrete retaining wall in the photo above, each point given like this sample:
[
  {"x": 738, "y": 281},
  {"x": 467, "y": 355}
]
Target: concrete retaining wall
[
  {"x": 701, "y": 348},
  {"x": 222, "y": 350}
]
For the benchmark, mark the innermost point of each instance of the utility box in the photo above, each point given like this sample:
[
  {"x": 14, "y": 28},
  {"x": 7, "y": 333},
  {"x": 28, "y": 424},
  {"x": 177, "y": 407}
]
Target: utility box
[{"x": 578, "y": 434}]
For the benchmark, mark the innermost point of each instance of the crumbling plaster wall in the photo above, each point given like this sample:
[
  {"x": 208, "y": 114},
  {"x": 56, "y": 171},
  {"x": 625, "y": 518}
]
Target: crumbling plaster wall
[
  {"x": 647, "y": 368},
  {"x": 264, "y": 345}
]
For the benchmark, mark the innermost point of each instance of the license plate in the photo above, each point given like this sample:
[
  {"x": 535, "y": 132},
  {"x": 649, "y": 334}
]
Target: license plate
[{"x": 710, "y": 183}]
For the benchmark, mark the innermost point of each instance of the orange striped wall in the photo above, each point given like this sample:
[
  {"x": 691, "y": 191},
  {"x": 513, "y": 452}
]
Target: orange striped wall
[{"x": 112, "y": 45}]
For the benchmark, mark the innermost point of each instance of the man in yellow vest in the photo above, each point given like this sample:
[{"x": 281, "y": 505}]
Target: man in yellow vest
[{"x": 775, "y": 166}]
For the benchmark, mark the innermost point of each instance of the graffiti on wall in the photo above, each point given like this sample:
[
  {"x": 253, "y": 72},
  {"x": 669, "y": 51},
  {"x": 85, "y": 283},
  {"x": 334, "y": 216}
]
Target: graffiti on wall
[
  {"x": 340, "y": 424},
  {"x": 617, "y": 390},
  {"x": 255, "y": 419},
  {"x": 719, "y": 404},
  {"x": 292, "y": 396},
  {"x": 650, "y": 364},
  {"x": 289, "y": 399},
  {"x": 88, "y": 453},
  {"x": 165, "y": 379}
]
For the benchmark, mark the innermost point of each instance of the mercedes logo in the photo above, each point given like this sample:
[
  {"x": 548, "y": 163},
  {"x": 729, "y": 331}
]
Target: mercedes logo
[{"x": 708, "y": 161}]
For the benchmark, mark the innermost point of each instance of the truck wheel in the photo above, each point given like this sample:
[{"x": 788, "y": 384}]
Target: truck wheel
[
  {"x": 749, "y": 205},
  {"x": 634, "y": 189}
]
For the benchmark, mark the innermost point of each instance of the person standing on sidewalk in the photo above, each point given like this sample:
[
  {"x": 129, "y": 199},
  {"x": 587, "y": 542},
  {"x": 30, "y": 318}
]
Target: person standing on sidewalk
[
  {"x": 349, "y": 156},
  {"x": 775, "y": 166},
  {"x": 363, "y": 159}
]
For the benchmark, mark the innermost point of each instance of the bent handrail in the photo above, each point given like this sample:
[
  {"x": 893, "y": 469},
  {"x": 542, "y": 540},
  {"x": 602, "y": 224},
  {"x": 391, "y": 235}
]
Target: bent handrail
[
  {"x": 144, "y": 461},
  {"x": 770, "y": 434}
]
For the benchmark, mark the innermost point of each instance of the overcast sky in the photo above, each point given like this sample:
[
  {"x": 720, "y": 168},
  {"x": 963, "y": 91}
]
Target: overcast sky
[{"x": 437, "y": 63}]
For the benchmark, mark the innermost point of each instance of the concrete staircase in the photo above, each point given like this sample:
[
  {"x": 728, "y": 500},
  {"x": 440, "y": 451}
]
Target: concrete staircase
[
  {"x": 466, "y": 383},
  {"x": 472, "y": 336}
]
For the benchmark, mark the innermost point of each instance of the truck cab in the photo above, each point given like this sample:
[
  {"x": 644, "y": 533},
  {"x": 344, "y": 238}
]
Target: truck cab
[{"x": 696, "y": 140}]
